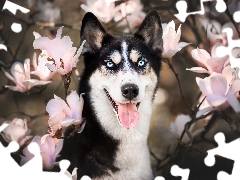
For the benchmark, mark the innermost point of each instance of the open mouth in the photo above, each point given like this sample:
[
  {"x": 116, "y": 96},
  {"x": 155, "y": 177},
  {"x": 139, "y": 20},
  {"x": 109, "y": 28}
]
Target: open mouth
[{"x": 127, "y": 114}]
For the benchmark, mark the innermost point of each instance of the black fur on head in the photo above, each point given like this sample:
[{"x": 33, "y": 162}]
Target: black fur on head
[{"x": 150, "y": 32}]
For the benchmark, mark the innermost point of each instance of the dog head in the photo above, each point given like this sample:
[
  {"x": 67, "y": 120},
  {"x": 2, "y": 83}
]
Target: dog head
[{"x": 122, "y": 71}]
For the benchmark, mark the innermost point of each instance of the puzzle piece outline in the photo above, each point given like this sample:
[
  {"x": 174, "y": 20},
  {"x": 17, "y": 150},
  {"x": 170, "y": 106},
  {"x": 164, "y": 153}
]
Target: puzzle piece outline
[
  {"x": 181, "y": 6},
  {"x": 227, "y": 150}
]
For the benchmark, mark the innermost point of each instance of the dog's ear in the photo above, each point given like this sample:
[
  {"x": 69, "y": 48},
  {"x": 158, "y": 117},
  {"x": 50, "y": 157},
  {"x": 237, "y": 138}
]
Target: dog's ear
[
  {"x": 150, "y": 31},
  {"x": 93, "y": 32}
]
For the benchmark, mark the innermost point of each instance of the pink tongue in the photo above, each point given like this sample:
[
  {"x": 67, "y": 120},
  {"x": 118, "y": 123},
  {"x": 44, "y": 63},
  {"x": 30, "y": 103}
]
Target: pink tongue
[{"x": 128, "y": 115}]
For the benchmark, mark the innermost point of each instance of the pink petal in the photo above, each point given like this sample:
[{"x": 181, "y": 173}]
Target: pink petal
[
  {"x": 216, "y": 100},
  {"x": 169, "y": 53},
  {"x": 178, "y": 126},
  {"x": 58, "y": 148},
  {"x": 74, "y": 174},
  {"x": 235, "y": 87},
  {"x": 215, "y": 64},
  {"x": 177, "y": 38},
  {"x": 204, "y": 85},
  {"x": 195, "y": 55},
  {"x": 54, "y": 121},
  {"x": 198, "y": 70},
  {"x": 48, "y": 146},
  {"x": 27, "y": 156},
  {"x": 40, "y": 83},
  {"x": 72, "y": 100},
  {"x": 228, "y": 74},
  {"x": 47, "y": 161},
  {"x": 8, "y": 75},
  {"x": 41, "y": 43},
  {"x": 181, "y": 45},
  {"x": 59, "y": 32},
  {"x": 80, "y": 108},
  {"x": 233, "y": 101},
  {"x": 204, "y": 111},
  {"x": 16, "y": 88},
  {"x": 67, "y": 121},
  {"x": 62, "y": 46},
  {"x": 218, "y": 84},
  {"x": 27, "y": 69},
  {"x": 51, "y": 67},
  {"x": 54, "y": 106},
  {"x": 18, "y": 73},
  {"x": 34, "y": 62},
  {"x": 24, "y": 140},
  {"x": 36, "y": 35}
]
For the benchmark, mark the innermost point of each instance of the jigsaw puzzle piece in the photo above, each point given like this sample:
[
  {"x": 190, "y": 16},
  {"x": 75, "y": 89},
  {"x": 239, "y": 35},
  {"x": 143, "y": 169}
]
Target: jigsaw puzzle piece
[
  {"x": 34, "y": 164},
  {"x": 223, "y": 50},
  {"x": 236, "y": 16},
  {"x": 159, "y": 178},
  {"x": 181, "y": 6},
  {"x": 176, "y": 171},
  {"x": 228, "y": 150},
  {"x": 12, "y": 7},
  {"x": 4, "y": 125},
  {"x": 193, "y": 159}
]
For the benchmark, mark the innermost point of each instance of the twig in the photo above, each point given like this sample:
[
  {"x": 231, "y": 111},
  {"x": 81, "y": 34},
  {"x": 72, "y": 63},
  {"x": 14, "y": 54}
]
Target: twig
[
  {"x": 19, "y": 45},
  {"x": 179, "y": 84},
  {"x": 189, "y": 124}
]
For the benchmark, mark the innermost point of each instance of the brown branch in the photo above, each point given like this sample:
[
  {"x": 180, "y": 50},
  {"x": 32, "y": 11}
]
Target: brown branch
[{"x": 179, "y": 84}]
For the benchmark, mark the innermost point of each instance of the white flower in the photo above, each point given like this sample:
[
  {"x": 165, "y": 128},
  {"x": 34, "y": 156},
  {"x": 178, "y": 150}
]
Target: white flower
[
  {"x": 41, "y": 70},
  {"x": 129, "y": 8},
  {"x": 178, "y": 126},
  {"x": 49, "y": 152},
  {"x": 171, "y": 39},
  {"x": 21, "y": 77},
  {"x": 212, "y": 63},
  {"x": 72, "y": 176},
  {"x": 218, "y": 93},
  {"x": 17, "y": 130},
  {"x": 104, "y": 10},
  {"x": 59, "y": 51},
  {"x": 63, "y": 114}
]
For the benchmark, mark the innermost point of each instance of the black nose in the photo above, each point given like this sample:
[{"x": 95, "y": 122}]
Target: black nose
[{"x": 129, "y": 91}]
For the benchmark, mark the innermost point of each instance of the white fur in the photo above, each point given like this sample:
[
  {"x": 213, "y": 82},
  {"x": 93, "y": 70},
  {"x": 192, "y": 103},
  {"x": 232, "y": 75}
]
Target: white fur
[{"x": 132, "y": 157}]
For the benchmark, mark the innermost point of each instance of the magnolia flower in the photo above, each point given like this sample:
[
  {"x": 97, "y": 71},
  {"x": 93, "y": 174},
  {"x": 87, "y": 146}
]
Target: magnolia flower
[
  {"x": 104, "y": 10},
  {"x": 41, "y": 70},
  {"x": 21, "y": 77},
  {"x": 48, "y": 150},
  {"x": 171, "y": 39},
  {"x": 204, "y": 108},
  {"x": 212, "y": 63},
  {"x": 47, "y": 12},
  {"x": 218, "y": 93},
  {"x": 58, "y": 51},
  {"x": 178, "y": 126},
  {"x": 17, "y": 130},
  {"x": 72, "y": 176},
  {"x": 128, "y": 8},
  {"x": 63, "y": 114}
]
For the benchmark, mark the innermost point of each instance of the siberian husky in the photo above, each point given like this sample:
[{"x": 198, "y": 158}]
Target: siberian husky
[{"x": 119, "y": 81}]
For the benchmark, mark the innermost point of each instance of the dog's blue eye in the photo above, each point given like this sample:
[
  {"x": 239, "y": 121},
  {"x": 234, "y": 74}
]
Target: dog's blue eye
[
  {"x": 110, "y": 64},
  {"x": 141, "y": 63}
]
